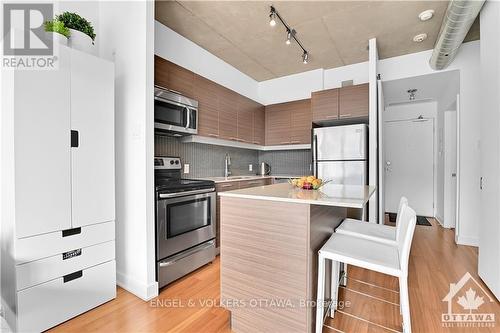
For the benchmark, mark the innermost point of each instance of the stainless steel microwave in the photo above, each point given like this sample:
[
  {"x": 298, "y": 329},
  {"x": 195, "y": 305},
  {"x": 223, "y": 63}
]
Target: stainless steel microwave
[{"x": 175, "y": 114}]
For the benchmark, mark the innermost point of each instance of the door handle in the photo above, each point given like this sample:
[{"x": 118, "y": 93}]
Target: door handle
[
  {"x": 453, "y": 174},
  {"x": 74, "y": 139}
]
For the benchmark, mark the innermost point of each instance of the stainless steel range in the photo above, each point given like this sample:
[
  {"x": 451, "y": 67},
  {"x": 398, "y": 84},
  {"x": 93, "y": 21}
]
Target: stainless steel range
[{"x": 185, "y": 221}]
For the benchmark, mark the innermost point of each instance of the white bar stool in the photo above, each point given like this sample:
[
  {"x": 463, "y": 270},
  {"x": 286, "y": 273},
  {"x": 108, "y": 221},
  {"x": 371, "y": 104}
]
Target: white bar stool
[
  {"x": 368, "y": 254},
  {"x": 372, "y": 231}
]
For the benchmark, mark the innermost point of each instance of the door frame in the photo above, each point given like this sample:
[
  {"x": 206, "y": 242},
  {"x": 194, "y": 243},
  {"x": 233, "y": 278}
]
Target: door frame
[{"x": 434, "y": 157}]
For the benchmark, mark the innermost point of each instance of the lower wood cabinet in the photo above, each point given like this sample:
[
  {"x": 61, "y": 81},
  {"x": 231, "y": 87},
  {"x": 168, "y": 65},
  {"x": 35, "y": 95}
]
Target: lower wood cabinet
[{"x": 231, "y": 186}]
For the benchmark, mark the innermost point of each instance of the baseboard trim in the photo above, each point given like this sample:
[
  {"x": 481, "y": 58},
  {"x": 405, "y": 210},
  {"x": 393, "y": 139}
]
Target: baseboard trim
[
  {"x": 143, "y": 291},
  {"x": 469, "y": 241}
]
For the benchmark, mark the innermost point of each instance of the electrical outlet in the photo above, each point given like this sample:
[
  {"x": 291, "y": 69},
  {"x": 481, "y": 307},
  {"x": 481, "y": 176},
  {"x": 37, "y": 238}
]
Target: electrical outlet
[
  {"x": 186, "y": 168},
  {"x": 250, "y": 167}
]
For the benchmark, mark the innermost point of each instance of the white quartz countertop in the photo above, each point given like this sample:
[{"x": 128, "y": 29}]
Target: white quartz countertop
[
  {"x": 248, "y": 177},
  {"x": 351, "y": 196}
]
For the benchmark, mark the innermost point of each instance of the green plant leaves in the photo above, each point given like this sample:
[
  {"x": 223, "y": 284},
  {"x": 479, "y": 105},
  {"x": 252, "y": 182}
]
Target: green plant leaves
[
  {"x": 57, "y": 26},
  {"x": 76, "y": 22}
]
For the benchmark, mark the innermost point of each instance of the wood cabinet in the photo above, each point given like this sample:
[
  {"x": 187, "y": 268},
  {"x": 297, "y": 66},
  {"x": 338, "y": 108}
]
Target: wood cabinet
[
  {"x": 174, "y": 77},
  {"x": 325, "y": 105},
  {"x": 288, "y": 123},
  {"x": 245, "y": 121},
  {"x": 301, "y": 122},
  {"x": 228, "y": 114},
  {"x": 259, "y": 125},
  {"x": 206, "y": 93},
  {"x": 222, "y": 113},
  {"x": 340, "y": 103},
  {"x": 353, "y": 101}
]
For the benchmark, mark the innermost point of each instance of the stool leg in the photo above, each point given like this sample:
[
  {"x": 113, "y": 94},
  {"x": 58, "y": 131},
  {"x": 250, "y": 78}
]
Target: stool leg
[
  {"x": 405, "y": 303},
  {"x": 320, "y": 300},
  {"x": 335, "y": 287},
  {"x": 344, "y": 278}
]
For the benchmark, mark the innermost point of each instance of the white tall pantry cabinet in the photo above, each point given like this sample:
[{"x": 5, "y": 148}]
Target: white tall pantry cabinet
[{"x": 58, "y": 191}]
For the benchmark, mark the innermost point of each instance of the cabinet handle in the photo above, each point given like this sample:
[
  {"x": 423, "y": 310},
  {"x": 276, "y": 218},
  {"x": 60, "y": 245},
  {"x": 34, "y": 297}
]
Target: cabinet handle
[
  {"x": 213, "y": 135},
  {"x": 226, "y": 185},
  {"x": 71, "y": 232},
  {"x": 254, "y": 182},
  {"x": 71, "y": 254},
  {"x": 332, "y": 117},
  {"x": 72, "y": 276},
  {"x": 347, "y": 115},
  {"x": 233, "y": 138},
  {"x": 295, "y": 141},
  {"x": 74, "y": 139},
  {"x": 284, "y": 143}
]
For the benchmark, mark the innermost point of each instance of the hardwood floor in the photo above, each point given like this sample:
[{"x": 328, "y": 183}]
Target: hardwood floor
[{"x": 435, "y": 262}]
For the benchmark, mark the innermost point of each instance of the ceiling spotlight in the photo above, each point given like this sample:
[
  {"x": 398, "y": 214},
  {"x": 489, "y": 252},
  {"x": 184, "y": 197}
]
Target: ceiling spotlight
[
  {"x": 420, "y": 38},
  {"x": 411, "y": 93},
  {"x": 426, "y": 15},
  {"x": 272, "y": 18},
  {"x": 305, "y": 57},
  {"x": 288, "y": 37}
]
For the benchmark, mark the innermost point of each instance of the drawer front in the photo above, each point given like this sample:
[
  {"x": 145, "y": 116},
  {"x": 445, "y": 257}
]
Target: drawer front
[
  {"x": 227, "y": 186},
  {"x": 51, "y": 303},
  {"x": 47, "y": 245},
  {"x": 254, "y": 183},
  {"x": 43, "y": 270}
]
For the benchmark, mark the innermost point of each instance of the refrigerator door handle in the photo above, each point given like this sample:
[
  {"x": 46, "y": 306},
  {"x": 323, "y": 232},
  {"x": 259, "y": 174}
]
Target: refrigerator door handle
[{"x": 315, "y": 155}]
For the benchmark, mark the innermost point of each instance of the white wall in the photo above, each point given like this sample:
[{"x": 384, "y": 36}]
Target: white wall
[
  {"x": 489, "y": 231},
  {"x": 171, "y": 46},
  {"x": 127, "y": 30}
]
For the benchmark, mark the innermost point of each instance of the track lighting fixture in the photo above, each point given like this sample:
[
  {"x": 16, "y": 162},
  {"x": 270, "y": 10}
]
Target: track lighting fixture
[
  {"x": 305, "y": 57},
  {"x": 290, "y": 33}
]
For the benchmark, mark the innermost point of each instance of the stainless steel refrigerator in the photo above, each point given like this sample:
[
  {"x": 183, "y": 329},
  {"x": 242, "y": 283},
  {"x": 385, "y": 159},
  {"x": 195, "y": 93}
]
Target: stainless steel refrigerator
[{"x": 340, "y": 154}]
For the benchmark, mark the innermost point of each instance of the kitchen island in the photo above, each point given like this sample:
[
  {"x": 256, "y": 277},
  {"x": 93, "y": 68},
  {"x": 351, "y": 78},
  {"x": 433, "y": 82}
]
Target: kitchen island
[{"x": 270, "y": 236}]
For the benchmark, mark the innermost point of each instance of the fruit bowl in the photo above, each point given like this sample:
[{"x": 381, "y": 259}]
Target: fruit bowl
[{"x": 307, "y": 182}]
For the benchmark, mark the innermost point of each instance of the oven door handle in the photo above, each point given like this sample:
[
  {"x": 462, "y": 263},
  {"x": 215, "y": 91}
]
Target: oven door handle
[
  {"x": 195, "y": 249},
  {"x": 181, "y": 194}
]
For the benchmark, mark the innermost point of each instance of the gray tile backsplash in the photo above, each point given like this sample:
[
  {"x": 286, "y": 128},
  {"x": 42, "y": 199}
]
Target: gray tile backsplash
[{"x": 208, "y": 160}]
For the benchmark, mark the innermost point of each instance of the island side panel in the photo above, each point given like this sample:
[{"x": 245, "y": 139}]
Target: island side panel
[
  {"x": 323, "y": 221},
  {"x": 265, "y": 256}
]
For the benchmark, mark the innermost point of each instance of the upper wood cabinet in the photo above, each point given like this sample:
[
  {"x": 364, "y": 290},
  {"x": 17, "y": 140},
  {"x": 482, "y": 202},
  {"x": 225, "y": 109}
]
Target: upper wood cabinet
[
  {"x": 259, "y": 124},
  {"x": 206, "y": 93},
  {"x": 228, "y": 114},
  {"x": 353, "y": 101},
  {"x": 301, "y": 122},
  {"x": 174, "y": 77},
  {"x": 245, "y": 120},
  {"x": 288, "y": 123},
  {"x": 340, "y": 103},
  {"x": 325, "y": 105}
]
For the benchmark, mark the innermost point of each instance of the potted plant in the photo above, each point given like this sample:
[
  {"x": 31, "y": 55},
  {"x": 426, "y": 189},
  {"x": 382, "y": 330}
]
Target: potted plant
[
  {"x": 57, "y": 31},
  {"x": 82, "y": 33}
]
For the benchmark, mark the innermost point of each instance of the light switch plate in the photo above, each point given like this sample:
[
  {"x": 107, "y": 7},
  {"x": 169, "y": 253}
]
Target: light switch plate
[
  {"x": 186, "y": 168},
  {"x": 250, "y": 167}
]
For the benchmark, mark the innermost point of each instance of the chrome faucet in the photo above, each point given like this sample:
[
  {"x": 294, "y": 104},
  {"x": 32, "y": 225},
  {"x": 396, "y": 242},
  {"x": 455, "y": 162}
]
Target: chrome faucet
[{"x": 227, "y": 166}]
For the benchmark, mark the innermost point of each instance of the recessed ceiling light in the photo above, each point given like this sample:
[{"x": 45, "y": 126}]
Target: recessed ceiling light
[
  {"x": 426, "y": 15},
  {"x": 420, "y": 38}
]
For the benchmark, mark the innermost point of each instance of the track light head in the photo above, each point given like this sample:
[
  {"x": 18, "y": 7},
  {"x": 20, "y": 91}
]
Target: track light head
[
  {"x": 305, "y": 57},
  {"x": 272, "y": 17},
  {"x": 288, "y": 37}
]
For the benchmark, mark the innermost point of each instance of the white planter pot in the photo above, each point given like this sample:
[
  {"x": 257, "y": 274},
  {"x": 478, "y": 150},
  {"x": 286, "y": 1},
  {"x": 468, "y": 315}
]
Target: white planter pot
[
  {"x": 80, "y": 41},
  {"x": 57, "y": 38}
]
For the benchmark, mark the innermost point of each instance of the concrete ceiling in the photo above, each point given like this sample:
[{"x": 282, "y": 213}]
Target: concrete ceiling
[{"x": 335, "y": 33}]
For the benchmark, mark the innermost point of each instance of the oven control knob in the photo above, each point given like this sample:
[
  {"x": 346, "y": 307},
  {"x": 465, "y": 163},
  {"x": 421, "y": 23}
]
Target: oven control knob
[
  {"x": 172, "y": 162},
  {"x": 176, "y": 161}
]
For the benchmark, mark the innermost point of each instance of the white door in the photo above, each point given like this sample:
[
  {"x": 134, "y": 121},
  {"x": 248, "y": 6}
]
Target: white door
[
  {"x": 42, "y": 149},
  {"x": 409, "y": 164},
  {"x": 92, "y": 115},
  {"x": 450, "y": 169}
]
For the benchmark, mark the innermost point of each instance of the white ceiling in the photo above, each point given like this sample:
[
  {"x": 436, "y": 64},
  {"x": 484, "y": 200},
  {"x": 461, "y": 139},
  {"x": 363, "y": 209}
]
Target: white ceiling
[{"x": 441, "y": 87}]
